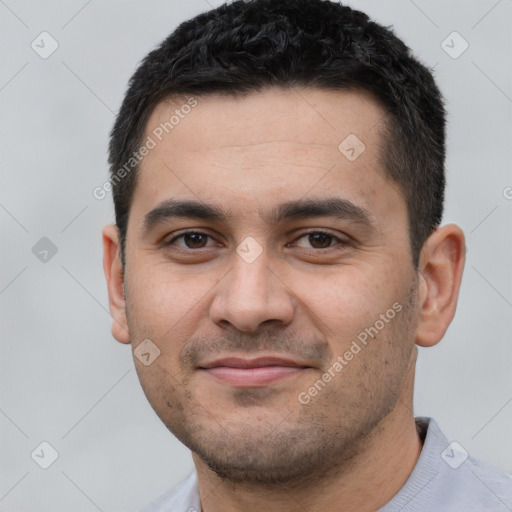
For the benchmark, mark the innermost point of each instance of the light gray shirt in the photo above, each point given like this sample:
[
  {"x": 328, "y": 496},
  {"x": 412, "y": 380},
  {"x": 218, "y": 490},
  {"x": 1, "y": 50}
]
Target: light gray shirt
[{"x": 445, "y": 479}]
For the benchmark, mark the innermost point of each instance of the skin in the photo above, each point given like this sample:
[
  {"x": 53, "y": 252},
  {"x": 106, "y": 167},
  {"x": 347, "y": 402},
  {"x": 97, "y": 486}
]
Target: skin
[{"x": 355, "y": 443}]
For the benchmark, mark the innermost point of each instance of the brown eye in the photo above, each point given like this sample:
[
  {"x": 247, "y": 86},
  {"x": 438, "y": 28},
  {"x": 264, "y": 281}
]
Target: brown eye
[
  {"x": 190, "y": 240},
  {"x": 318, "y": 240},
  {"x": 195, "y": 240}
]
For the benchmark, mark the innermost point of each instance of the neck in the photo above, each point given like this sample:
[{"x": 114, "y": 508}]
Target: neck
[{"x": 365, "y": 483}]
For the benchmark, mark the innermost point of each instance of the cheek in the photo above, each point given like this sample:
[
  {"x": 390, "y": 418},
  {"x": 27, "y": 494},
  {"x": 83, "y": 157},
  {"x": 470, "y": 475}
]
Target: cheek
[
  {"x": 164, "y": 303},
  {"x": 164, "y": 390},
  {"x": 346, "y": 301}
]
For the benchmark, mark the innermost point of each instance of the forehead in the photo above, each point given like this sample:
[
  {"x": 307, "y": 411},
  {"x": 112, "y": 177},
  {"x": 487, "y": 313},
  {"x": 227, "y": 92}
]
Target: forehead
[
  {"x": 305, "y": 116},
  {"x": 274, "y": 145}
]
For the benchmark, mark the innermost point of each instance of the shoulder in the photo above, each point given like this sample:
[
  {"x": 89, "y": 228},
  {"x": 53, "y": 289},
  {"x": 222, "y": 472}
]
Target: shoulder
[
  {"x": 447, "y": 479},
  {"x": 489, "y": 482}
]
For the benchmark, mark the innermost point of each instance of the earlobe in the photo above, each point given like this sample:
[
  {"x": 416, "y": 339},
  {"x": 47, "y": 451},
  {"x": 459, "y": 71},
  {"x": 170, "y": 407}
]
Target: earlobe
[
  {"x": 442, "y": 265},
  {"x": 115, "y": 283}
]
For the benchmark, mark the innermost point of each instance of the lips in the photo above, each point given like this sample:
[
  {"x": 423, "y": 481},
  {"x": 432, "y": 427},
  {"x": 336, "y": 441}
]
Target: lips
[
  {"x": 258, "y": 372},
  {"x": 238, "y": 362}
]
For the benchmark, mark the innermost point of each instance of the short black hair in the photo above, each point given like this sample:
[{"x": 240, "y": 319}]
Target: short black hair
[{"x": 248, "y": 45}]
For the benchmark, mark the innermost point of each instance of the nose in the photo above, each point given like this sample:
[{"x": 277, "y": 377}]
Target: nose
[{"x": 252, "y": 295}]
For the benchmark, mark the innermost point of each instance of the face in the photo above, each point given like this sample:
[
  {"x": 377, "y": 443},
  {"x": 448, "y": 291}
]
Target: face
[{"x": 271, "y": 267}]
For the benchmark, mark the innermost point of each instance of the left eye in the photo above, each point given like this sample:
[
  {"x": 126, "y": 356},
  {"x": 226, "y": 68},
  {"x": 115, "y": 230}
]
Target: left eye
[{"x": 318, "y": 240}]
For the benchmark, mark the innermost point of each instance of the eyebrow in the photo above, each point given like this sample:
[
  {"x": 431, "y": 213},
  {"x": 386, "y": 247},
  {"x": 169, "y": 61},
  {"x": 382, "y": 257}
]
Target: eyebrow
[{"x": 336, "y": 207}]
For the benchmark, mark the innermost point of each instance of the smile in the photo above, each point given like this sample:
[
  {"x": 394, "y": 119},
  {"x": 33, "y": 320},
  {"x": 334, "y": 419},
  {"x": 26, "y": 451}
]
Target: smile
[{"x": 252, "y": 373}]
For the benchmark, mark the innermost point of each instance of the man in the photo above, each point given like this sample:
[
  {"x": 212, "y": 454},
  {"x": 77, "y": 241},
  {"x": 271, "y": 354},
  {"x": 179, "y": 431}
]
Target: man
[{"x": 278, "y": 179}]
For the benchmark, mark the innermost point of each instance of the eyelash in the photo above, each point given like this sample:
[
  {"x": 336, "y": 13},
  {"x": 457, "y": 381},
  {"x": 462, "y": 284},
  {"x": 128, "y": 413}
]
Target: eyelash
[{"x": 335, "y": 238}]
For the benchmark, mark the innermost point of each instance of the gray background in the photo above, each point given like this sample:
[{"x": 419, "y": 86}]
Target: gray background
[{"x": 66, "y": 381}]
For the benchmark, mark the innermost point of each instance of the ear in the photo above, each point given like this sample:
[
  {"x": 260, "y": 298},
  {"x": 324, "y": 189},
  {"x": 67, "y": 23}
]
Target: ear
[
  {"x": 441, "y": 265},
  {"x": 115, "y": 283}
]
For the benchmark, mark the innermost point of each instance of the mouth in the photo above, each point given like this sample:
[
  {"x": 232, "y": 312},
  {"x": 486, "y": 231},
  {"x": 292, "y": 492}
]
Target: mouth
[{"x": 250, "y": 373}]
